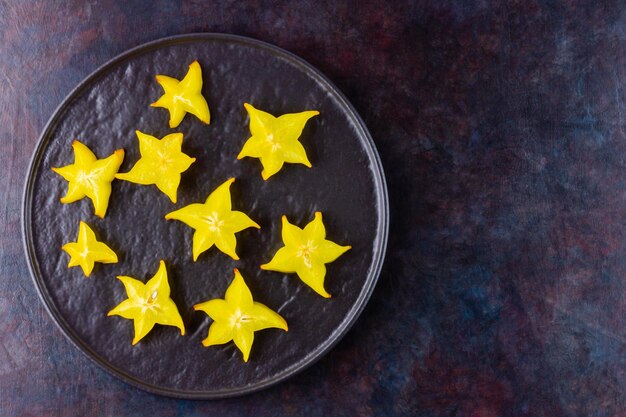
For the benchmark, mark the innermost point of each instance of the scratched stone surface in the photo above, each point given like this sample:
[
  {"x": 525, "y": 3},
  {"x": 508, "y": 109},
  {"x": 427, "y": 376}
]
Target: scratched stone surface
[{"x": 500, "y": 125}]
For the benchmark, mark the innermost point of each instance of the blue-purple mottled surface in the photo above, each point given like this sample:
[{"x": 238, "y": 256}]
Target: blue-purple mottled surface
[{"x": 501, "y": 129}]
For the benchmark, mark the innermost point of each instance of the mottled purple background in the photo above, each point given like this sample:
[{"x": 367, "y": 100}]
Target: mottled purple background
[{"x": 500, "y": 125}]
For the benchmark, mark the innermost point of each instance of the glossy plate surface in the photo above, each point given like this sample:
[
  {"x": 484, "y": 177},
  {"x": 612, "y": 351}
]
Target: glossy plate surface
[{"x": 346, "y": 183}]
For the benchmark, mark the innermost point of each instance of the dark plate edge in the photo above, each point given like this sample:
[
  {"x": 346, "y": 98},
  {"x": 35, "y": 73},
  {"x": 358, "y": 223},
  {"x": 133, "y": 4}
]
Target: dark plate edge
[{"x": 380, "y": 243}]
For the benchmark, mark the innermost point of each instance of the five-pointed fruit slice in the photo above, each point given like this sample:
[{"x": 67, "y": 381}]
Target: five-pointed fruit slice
[
  {"x": 274, "y": 140},
  {"x": 90, "y": 177},
  {"x": 237, "y": 317},
  {"x": 148, "y": 304},
  {"x": 306, "y": 252},
  {"x": 87, "y": 250},
  {"x": 214, "y": 222},
  {"x": 161, "y": 163},
  {"x": 185, "y": 96}
]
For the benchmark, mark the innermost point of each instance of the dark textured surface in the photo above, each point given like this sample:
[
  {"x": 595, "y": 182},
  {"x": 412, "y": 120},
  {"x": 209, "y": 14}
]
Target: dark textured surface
[
  {"x": 345, "y": 185},
  {"x": 500, "y": 125}
]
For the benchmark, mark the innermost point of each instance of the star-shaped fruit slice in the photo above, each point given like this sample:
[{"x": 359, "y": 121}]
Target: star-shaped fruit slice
[
  {"x": 306, "y": 252},
  {"x": 87, "y": 250},
  {"x": 148, "y": 304},
  {"x": 237, "y": 317},
  {"x": 185, "y": 96},
  {"x": 161, "y": 163},
  {"x": 274, "y": 140},
  {"x": 214, "y": 221},
  {"x": 90, "y": 177}
]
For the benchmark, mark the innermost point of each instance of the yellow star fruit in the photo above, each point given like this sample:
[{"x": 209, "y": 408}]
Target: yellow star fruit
[
  {"x": 90, "y": 177},
  {"x": 161, "y": 163},
  {"x": 237, "y": 317},
  {"x": 274, "y": 140},
  {"x": 306, "y": 252},
  {"x": 214, "y": 221},
  {"x": 87, "y": 250},
  {"x": 185, "y": 96},
  {"x": 148, "y": 304}
]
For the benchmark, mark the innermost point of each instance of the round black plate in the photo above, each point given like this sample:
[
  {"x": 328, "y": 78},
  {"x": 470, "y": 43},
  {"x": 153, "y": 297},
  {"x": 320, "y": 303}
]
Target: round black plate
[{"x": 346, "y": 183}]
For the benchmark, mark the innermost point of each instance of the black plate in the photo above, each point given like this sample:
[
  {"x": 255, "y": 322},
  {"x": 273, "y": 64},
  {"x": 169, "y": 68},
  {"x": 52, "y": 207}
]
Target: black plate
[{"x": 346, "y": 184}]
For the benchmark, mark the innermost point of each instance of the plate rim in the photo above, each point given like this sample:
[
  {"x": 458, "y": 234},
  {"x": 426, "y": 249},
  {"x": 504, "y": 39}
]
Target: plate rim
[{"x": 380, "y": 242}]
